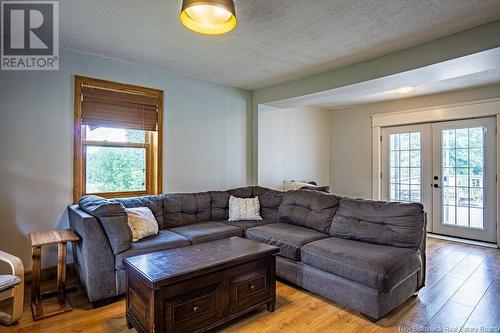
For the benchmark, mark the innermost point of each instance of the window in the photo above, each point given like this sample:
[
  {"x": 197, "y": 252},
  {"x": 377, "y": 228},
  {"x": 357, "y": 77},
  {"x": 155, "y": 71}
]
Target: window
[{"x": 117, "y": 139}]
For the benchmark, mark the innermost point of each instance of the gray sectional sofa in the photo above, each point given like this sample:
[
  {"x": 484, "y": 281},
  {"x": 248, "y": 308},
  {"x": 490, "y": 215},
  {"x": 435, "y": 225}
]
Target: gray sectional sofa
[{"x": 366, "y": 255}]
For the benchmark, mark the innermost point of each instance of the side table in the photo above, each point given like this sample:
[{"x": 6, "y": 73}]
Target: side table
[{"x": 43, "y": 238}]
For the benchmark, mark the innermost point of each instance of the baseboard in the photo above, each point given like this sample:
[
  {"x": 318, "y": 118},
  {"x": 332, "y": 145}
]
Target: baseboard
[
  {"x": 462, "y": 240},
  {"x": 50, "y": 273}
]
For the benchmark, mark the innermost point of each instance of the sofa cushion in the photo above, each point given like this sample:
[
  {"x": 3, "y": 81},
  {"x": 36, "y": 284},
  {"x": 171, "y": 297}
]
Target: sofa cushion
[
  {"x": 270, "y": 201},
  {"x": 162, "y": 241},
  {"x": 153, "y": 202},
  {"x": 310, "y": 209},
  {"x": 245, "y": 225},
  {"x": 220, "y": 201},
  {"x": 113, "y": 218},
  {"x": 8, "y": 281},
  {"x": 207, "y": 231},
  {"x": 378, "y": 266},
  {"x": 289, "y": 238},
  {"x": 185, "y": 208},
  {"x": 386, "y": 223}
]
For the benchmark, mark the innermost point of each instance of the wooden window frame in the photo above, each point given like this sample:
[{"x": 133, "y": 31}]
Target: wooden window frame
[{"x": 153, "y": 142}]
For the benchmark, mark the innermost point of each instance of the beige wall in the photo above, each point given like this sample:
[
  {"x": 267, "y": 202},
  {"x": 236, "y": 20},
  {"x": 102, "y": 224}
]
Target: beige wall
[
  {"x": 206, "y": 140},
  {"x": 352, "y": 136},
  {"x": 294, "y": 145}
]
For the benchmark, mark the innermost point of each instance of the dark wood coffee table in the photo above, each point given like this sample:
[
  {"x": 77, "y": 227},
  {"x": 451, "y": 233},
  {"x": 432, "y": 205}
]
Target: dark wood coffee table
[{"x": 198, "y": 287}]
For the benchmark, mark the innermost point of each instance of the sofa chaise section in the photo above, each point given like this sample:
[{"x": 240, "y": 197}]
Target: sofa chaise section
[
  {"x": 373, "y": 261},
  {"x": 359, "y": 297},
  {"x": 395, "y": 224},
  {"x": 377, "y": 266}
]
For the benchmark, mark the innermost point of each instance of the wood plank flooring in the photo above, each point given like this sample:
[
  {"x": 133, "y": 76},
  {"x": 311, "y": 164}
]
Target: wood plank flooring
[{"x": 462, "y": 294}]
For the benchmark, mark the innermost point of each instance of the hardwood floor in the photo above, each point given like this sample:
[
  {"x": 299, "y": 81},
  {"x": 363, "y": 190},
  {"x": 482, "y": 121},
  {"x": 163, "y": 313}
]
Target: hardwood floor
[{"x": 462, "y": 293}]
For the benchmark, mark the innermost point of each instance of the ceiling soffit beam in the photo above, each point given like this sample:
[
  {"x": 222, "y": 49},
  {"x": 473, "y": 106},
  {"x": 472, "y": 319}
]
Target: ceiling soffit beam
[
  {"x": 464, "y": 43},
  {"x": 473, "y": 64}
]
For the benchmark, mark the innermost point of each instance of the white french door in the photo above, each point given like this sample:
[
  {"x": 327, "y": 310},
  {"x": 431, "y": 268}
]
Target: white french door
[
  {"x": 406, "y": 167},
  {"x": 464, "y": 184},
  {"x": 450, "y": 167}
]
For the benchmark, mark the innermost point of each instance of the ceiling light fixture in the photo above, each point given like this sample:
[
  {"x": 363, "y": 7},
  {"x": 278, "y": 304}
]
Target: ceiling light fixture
[
  {"x": 209, "y": 17},
  {"x": 404, "y": 90}
]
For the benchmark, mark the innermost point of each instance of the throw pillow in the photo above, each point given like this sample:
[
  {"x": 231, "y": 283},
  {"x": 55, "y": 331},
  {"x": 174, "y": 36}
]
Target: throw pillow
[
  {"x": 241, "y": 209},
  {"x": 142, "y": 223}
]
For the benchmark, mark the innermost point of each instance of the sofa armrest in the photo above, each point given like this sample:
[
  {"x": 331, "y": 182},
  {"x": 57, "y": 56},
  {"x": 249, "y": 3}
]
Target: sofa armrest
[
  {"x": 16, "y": 265},
  {"x": 422, "y": 248},
  {"x": 92, "y": 255}
]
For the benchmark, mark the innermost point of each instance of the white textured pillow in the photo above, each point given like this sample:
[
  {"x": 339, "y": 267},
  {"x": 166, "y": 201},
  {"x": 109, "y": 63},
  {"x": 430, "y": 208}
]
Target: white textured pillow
[
  {"x": 241, "y": 209},
  {"x": 142, "y": 223}
]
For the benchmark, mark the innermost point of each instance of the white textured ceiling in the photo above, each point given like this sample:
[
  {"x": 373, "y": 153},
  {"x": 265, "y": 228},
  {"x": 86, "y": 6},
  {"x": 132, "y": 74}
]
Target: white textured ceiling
[{"x": 275, "y": 40}]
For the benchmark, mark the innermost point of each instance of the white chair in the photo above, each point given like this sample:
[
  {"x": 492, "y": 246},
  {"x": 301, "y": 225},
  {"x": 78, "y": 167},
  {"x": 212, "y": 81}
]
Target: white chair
[{"x": 12, "y": 286}]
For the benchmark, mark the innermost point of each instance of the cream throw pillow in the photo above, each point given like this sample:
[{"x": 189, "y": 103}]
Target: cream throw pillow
[
  {"x": 142, "y": 223},
  {"x": 241, "y": 209}
]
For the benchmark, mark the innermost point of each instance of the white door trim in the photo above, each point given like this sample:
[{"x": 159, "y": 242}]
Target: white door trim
[
  {"x": 377, "y": 163},
  {"x": 475, "y": 109},
  {"x": 457, "y": 111}
]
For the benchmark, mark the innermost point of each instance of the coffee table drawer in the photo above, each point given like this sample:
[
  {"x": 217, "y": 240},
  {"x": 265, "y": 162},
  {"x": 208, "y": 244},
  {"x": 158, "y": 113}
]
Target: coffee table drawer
[
  {"x": 250, "y": 288},
  {"x": 200, "y": 307}
]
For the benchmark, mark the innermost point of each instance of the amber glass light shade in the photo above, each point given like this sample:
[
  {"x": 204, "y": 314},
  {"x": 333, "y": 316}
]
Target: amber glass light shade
[{"x": 209, "y": 17}]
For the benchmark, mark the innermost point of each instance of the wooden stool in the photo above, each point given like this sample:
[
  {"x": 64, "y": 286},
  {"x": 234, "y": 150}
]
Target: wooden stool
[{"x": 39, "y": 239}]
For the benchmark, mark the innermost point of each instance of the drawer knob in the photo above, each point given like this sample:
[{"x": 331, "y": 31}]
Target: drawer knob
[
  {"x": 195, "y": 308},
  {"x": 252, "y": 287}
]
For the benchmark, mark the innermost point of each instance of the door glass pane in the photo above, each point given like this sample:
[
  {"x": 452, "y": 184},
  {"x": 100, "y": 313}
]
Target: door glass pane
[
  {"x": 448, "y": 177},
  {"x": 404, "y": 158},
  {"x": 404, "y": 166},
  {"x": 463, "y": 177}
]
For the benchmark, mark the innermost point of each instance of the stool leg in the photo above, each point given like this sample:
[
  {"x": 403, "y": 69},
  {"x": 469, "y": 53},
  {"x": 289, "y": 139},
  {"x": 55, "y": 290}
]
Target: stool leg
[
  {"x": 36, "y": 306},
  {"x": 61, "y": 273}
]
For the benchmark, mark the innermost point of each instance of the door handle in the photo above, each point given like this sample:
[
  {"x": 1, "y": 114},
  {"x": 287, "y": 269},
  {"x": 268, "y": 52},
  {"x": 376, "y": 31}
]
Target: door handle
[{"x": 436, "y": 186}]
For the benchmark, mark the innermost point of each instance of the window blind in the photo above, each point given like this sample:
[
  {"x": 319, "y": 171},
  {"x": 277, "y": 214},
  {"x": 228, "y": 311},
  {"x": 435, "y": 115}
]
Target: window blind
[{"x": 107, "y": 107}]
